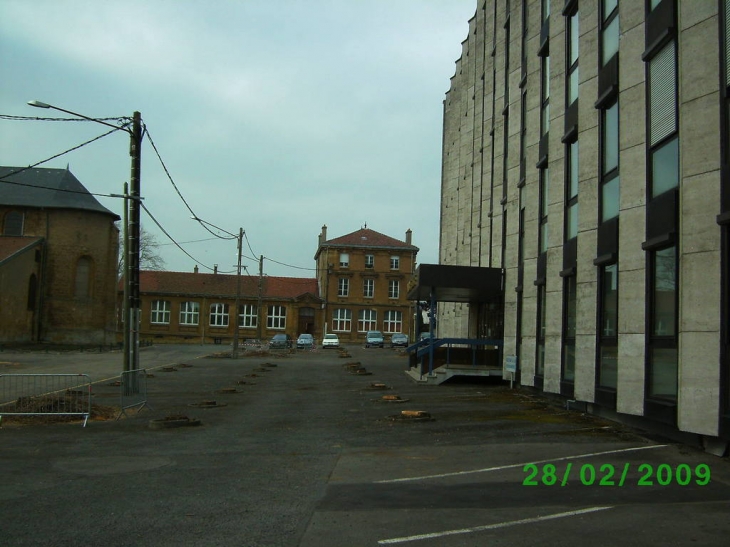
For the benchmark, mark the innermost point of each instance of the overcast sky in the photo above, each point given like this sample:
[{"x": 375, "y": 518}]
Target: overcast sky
[{"x": 277, "y": 116}]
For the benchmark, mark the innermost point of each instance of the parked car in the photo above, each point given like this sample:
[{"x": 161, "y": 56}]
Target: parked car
[
  {"x": 305, "y": 341},
  {"x": 374, "y": 338},
  {"x": 330, "y": 341},
  {"x": 398, "y": 339},
  {"x": 280, "y": 341},
  {"x": 425, "y": 336}
]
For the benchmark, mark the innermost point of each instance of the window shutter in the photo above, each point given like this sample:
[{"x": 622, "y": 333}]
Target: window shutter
[{"x": 663, "y": 95}]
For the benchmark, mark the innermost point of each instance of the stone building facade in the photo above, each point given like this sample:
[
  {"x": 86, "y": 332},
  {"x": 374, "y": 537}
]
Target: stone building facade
[
  {"x": 363, "y": 278},
  {"x": 586, "y": 152},
  {"x": 182, "y": 307},
  {"x": 58, "y": 259}
]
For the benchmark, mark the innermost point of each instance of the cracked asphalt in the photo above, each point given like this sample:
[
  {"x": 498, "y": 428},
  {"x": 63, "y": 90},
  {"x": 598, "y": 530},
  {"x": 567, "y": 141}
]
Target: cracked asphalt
[{"x": 306, "y": 453}]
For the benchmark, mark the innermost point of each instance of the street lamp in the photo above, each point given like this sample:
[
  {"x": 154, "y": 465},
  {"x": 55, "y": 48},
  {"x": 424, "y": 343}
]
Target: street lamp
[
  {"x": 239, "y": 237},
  {"x": 131, "y": 235}
]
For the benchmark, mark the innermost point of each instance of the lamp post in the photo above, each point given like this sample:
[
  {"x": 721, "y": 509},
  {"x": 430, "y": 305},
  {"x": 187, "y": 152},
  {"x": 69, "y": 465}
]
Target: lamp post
[
  {"x": 131, "y": 238},
  {"x": 239, "y": 237}
]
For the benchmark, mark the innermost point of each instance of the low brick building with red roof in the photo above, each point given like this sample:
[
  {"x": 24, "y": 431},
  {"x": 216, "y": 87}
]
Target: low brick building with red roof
[
  {"x": 199, "y": 307},
  {"x": 363, "y": 278}
]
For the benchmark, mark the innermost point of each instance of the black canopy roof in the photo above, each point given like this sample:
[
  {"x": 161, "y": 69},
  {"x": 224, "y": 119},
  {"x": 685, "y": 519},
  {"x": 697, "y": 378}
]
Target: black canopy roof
[{"x": 457, "y": 283}]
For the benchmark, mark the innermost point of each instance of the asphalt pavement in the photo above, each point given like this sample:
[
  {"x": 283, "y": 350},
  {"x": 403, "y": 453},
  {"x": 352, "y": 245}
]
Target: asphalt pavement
[{"x": 302, "y": 449}]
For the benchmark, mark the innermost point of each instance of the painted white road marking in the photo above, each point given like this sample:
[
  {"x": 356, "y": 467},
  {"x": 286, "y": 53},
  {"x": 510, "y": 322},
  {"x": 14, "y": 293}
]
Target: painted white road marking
[
  {"x": 512, "y": 466},
  {"x": 473, "y": 529}
]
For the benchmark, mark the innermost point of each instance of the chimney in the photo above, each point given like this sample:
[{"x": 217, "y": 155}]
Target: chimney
[
  {"x": 195, "y": 270},
  {"x": 408, "y": 236},
  {"x": 323, "y": 235},
  {"x": 215, "y": 268}
]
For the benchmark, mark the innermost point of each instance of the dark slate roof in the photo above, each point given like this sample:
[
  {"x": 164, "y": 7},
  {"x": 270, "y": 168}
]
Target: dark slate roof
[
  {"x": 224, "y": 285},
  {"x": 11, "y": 246},
  {"x": 46, "y": 188},
  {"x": 365, "y": 237}
]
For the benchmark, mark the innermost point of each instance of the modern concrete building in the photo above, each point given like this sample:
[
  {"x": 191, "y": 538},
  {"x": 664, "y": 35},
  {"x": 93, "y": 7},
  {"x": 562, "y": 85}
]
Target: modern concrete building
[
  {"x": 58, "y": 259},
  {"x": 363, "y": 278},
  {"x": 586, "y": 152}
]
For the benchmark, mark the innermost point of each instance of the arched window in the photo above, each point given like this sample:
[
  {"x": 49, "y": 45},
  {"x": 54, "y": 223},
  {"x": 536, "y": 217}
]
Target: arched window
[
  {"x": 82, "y": 287},
  {"x": 13, "y": 225}
]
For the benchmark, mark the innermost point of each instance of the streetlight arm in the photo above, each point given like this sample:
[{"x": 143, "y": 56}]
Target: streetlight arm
[{"x": 41, "y": 104}]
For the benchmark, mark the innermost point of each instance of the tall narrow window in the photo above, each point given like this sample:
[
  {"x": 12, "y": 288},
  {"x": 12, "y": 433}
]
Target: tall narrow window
[
  {"x": 393, "y": 288},
  {"x": 343, "y": 286},
  {"x": 394, "y": 262},
  {"x": 663, "y": 127},
  {"x": 368, "y": 288},
  {"x": 82, "y": 286},
  {"x": 32, "y": 291},
  {"x": 569, "y": 318},
  {"x": 572, "y": 38},
  {"x": 543, "y": 229},
  {"x": 609, "y": 31},
  {"x": 344, "y": 260},
  {"x": 571, "y": 191},
  {"x": 608, "y": 326},
  {"x": 663, "y": 324},
  {"x": 541, "y": 327},
  {"x": 545, "y": 97},
  {"x": 369, "y": 261},
  {"x": 609, "y": 163}
]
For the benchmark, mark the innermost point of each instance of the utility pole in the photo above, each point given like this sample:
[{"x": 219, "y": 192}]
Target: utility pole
[
  {"x": 236, "y": 314},
  {"x": 125, "y": 274},
  {"x": 132, "y": 259},
  {"x": 259, "y": 322}
]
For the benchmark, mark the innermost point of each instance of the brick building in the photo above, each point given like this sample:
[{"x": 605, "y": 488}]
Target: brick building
[
  {"x": 585, "y": 153},
  {"x": 363, "y": 279},
  {"x": 58, "y": 259},
  {"x": 198, "y": 307}
]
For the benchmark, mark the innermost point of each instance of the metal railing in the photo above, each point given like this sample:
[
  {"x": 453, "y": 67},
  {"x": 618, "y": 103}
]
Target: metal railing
[
  {"x": 133, "y": 391},
  {"x": 45, "y": 395}
]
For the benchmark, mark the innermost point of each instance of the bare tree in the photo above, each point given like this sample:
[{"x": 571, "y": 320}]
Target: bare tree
[{"x": 149, "y": 255}]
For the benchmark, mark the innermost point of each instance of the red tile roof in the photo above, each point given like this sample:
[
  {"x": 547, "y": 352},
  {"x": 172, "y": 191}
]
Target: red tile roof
[
  {"x": 202, "y": 284},
  {"x": 366, "y": 237},
  {"x": 10, "y": 245}
]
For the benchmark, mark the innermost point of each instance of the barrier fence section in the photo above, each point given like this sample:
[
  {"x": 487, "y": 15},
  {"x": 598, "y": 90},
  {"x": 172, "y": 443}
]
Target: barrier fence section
[
  {"x": 133, "y": 390},
  {"x": 45, "y": 395}
]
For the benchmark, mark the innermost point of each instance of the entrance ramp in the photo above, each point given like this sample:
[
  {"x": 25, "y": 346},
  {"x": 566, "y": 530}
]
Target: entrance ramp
[{"x": 445, "y": 372}]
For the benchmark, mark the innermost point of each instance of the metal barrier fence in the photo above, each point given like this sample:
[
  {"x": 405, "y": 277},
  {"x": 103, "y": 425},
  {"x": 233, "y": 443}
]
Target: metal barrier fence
[
  {"x": 45, "y": 394},
  {"x": 133, "y": 390}
]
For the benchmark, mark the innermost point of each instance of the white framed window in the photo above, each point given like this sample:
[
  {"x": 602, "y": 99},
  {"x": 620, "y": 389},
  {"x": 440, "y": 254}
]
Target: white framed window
[
  {"x": 393, "y": 288},
  {"x": 394, "y": 262},
  {"x": 342, "y": 320},
  {"x": 248, "y": 316},
  {"x": 276, "y": 318},
  {"x": 344, "y": 260},
  {"x": 343, "y": 286},
  {"x": 367, "y": 320},
  {"x": 393, "y": 321},
  {"x": 368, "y": 288},
  {"x": 219, "y": 315},
  {"x": 189, "y": 313},
  {"x": 160, "y": 312},
  {"x": 370, "y": 261}
]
